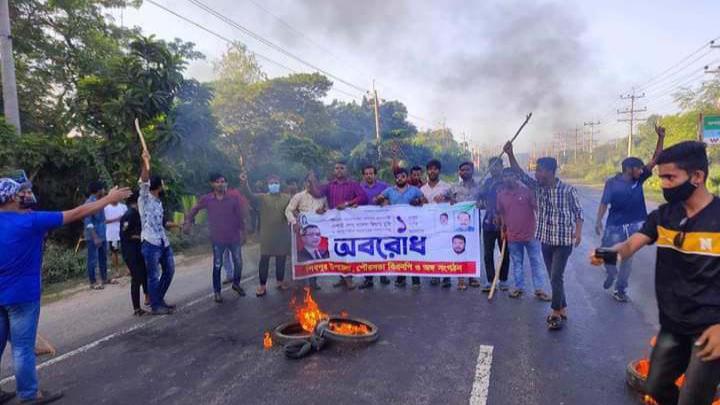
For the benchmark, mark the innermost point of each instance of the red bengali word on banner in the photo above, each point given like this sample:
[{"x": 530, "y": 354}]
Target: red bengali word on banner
[{"x": 390, "y": 268}]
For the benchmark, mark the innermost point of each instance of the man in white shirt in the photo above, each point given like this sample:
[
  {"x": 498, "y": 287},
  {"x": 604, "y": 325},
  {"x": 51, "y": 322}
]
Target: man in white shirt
[
  {"x": 113, "y": 213},
  {"x": 301, "y": 203},
  {"x": 436, "y": 191}
]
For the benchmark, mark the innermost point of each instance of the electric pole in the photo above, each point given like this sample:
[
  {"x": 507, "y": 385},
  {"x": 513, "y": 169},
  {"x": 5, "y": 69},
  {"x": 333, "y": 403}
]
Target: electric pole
[
  {"x": 592, "y": 136},
  {"x": 576, "y": 142},
  {"x": 9, "y": 85},
  {"x": 631, "y": 112},
  {"x": 376, "y": 107}
]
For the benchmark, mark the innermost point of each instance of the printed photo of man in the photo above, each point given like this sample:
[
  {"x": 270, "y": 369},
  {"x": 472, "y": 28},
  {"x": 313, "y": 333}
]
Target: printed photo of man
[
  {"x": 311, "y": 238},
  {"x": 464, "y": 222},
  {"x": 444, "y": 219},
  {"x": 458, "y": 244}
]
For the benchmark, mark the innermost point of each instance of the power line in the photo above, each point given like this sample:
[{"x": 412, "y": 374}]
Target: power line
[
  {"x": 222, "y": 37},
  {"x": 631, "y": 112},
  {"x": 272, "y": 45},
  {"x": 695, "y": 52}
]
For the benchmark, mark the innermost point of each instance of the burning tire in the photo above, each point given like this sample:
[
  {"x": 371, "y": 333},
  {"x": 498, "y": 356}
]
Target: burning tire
[
  {"x": 290, "y": 332},
  {"x": 349, "y": 330},
  {"x": 634, "y": 377}
]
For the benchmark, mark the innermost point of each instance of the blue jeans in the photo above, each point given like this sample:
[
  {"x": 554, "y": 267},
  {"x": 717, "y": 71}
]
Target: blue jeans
[
  {"x": 556, "y": 258},
  {"x": 517, "y": 250},
  {"x": 615, "y": 234},
  {"x": 157, "y": 257},
  {"x": 96, "y": 255},
  {"x": 219, "y": 250},
  {"x": 18, "y": 323}
]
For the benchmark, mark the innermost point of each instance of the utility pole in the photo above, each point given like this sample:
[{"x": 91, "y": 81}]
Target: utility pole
[
  {"x": 592, "y": 136},
  {"x": 631, "y": 112},
  {"x": 376, "y": 107},
  {"x": 9, "y": 85},
  {"x": 576, "y": 142}
]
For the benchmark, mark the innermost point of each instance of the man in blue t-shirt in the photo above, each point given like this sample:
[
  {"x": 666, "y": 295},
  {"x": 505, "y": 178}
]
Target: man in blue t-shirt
[
  {"x": 21, "y": 249},
  {"x": 624, "y": 195},
  {"x": 402, "y": 193}
]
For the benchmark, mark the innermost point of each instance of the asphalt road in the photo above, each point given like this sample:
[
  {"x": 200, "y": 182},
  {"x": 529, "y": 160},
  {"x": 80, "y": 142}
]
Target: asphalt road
[{"x": 427, "y": 352}]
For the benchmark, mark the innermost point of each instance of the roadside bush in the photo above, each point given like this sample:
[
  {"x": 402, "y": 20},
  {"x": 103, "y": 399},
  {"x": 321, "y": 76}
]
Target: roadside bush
[{"x": 61, "y": 263}]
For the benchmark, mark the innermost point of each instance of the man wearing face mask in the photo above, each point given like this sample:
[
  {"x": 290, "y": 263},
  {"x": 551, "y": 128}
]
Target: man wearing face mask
[
  {"x": 274, "y": 230},
  {"x": 624, "y": 194},
  {"x": 687, "y": 278},
  {"x": 226, "y": 220},
  {"x": 22, "y": 233},
  {"x": 156, "y": 248}
]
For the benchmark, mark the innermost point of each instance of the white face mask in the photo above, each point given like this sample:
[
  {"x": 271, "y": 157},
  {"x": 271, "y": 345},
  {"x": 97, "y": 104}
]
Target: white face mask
[{"x": 274, "y": 188}]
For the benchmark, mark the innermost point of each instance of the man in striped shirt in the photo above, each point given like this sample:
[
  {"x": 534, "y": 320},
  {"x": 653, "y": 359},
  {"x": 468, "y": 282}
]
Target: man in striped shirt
[{"x": 560, "y": 220}]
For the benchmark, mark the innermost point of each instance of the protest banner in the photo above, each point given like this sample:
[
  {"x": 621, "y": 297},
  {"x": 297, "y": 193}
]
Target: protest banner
[{"x": 438, "y": 240}]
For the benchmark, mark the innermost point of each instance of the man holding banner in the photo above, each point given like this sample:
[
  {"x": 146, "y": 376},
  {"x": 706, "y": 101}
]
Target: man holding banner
[
  {"x": 341, "y": 193},
  {"x": 466, "y": 189},
  {"x": 436, "y": 191},
  {"x": 402, "y": 193}
]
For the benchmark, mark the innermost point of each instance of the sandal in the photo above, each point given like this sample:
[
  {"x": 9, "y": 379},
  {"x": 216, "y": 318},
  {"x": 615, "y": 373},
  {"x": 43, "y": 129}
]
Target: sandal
[
  {"x": 516, "y": 294},
  {"x": 542, "y": 296},
  {"x": 260, "y": 291},
  {"x": 462, "y": 286},
  {"x": 554, "y": 322}
]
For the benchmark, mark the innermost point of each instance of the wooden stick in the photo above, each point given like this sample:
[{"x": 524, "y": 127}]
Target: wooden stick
[
  {"x": 140, "y": 134},
  {"x": 527, "y": 118},
  {"x": 497, "y": 270}
]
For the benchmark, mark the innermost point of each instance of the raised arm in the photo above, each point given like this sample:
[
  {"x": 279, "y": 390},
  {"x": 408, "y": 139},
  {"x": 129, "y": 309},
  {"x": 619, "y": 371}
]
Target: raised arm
[
  {"x": 78, "y": 213},
  {"x": 660, "y": 131},
  {"x": 245, "y": 189},
  {"x": 529, "y": 181},
  {"x": 315, "y": 189}
]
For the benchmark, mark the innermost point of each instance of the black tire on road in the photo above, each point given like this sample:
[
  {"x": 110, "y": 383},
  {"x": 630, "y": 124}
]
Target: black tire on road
[
  {"x": 341, "y": 338},
  {"x": 289, "y": 332}
]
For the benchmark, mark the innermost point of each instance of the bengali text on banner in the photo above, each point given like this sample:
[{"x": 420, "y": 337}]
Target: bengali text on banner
[{"x": 438, "y": 240}]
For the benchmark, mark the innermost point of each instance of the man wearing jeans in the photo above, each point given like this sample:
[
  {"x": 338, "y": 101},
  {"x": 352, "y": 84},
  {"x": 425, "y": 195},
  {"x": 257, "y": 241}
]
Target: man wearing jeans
[
  {"x": 95, "y": 239},
  {"x": 22, "y": 233},
  {"x": 490, "y": 228},
  {"x": 624, "y": 194},
  {"x": 226, "y": 217},
  {"x": 518, "y": 229},
  {"x": 560, "y": 219},
  {"x": 155, "y": 244}
]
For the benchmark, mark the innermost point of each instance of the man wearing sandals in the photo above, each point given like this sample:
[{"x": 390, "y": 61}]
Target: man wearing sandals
[
  {"x": 22, "y": 233},
  {"x": 687, "y": 278},
  {"x": 560, "y": 220},
  {"x": 95, "y": 239},
  {"x": 518, "y": 229},
  {"x": 274, "y": 230}
]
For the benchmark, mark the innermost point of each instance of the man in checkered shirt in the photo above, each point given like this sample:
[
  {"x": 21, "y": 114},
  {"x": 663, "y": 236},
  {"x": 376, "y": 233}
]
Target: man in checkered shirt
[{"x": 560, "y": 220}]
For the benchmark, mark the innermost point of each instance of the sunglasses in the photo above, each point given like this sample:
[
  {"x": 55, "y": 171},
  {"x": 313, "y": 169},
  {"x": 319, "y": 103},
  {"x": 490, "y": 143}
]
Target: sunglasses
[{"x": 679, "y": 239}]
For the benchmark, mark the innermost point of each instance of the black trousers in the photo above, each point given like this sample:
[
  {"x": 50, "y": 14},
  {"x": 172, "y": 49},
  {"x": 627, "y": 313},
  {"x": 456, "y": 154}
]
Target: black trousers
[
  {"x": 265, "y": 267},
  {"x": 672, "y": 356},
  {"x": 132, "y": 255},
  {"x": 490, "y": 238}
]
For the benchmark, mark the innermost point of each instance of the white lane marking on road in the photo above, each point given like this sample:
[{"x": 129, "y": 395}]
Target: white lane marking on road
[
  {"x": 481, "y": 384},
  {"x": 85, "y": 348}
]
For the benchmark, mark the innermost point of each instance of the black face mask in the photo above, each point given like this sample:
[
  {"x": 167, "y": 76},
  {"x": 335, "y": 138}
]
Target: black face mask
[{"x": 679, "y": 193}]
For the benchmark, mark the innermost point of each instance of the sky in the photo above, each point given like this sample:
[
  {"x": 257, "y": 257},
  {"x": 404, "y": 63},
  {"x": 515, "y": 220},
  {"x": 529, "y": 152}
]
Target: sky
[{"x": 477, "y": 67}]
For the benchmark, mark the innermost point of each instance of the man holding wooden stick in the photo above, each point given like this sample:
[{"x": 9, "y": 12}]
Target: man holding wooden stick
[
  {"x": 155, "y": 243},
  {"x": 560, "y": 220}
]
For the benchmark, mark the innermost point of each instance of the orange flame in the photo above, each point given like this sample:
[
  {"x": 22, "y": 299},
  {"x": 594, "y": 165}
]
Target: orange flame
[
  {"x": 309, "y": 314},
  {"x": 267, "y": 341},
  {"x": 349, "y": 328}
]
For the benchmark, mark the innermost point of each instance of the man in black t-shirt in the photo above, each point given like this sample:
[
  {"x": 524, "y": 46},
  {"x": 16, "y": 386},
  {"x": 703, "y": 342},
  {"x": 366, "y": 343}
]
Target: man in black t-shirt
[
  {"x": 687, "y": 279},
  {"x": 131, "y": 247}
]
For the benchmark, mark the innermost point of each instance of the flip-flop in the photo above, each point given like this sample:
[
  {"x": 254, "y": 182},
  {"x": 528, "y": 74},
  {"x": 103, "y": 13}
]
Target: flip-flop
[
  {"x": 260, "y": 294},
  {"x": 554, "y": 322}
]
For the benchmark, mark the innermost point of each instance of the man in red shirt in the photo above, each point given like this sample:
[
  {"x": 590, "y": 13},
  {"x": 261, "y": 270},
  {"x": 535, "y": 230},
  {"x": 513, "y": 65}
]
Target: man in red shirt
[
  {"x": 226, "y": 217},
  {"x": 341, "y": 193},
  {"x": 516, "y": 205}
]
